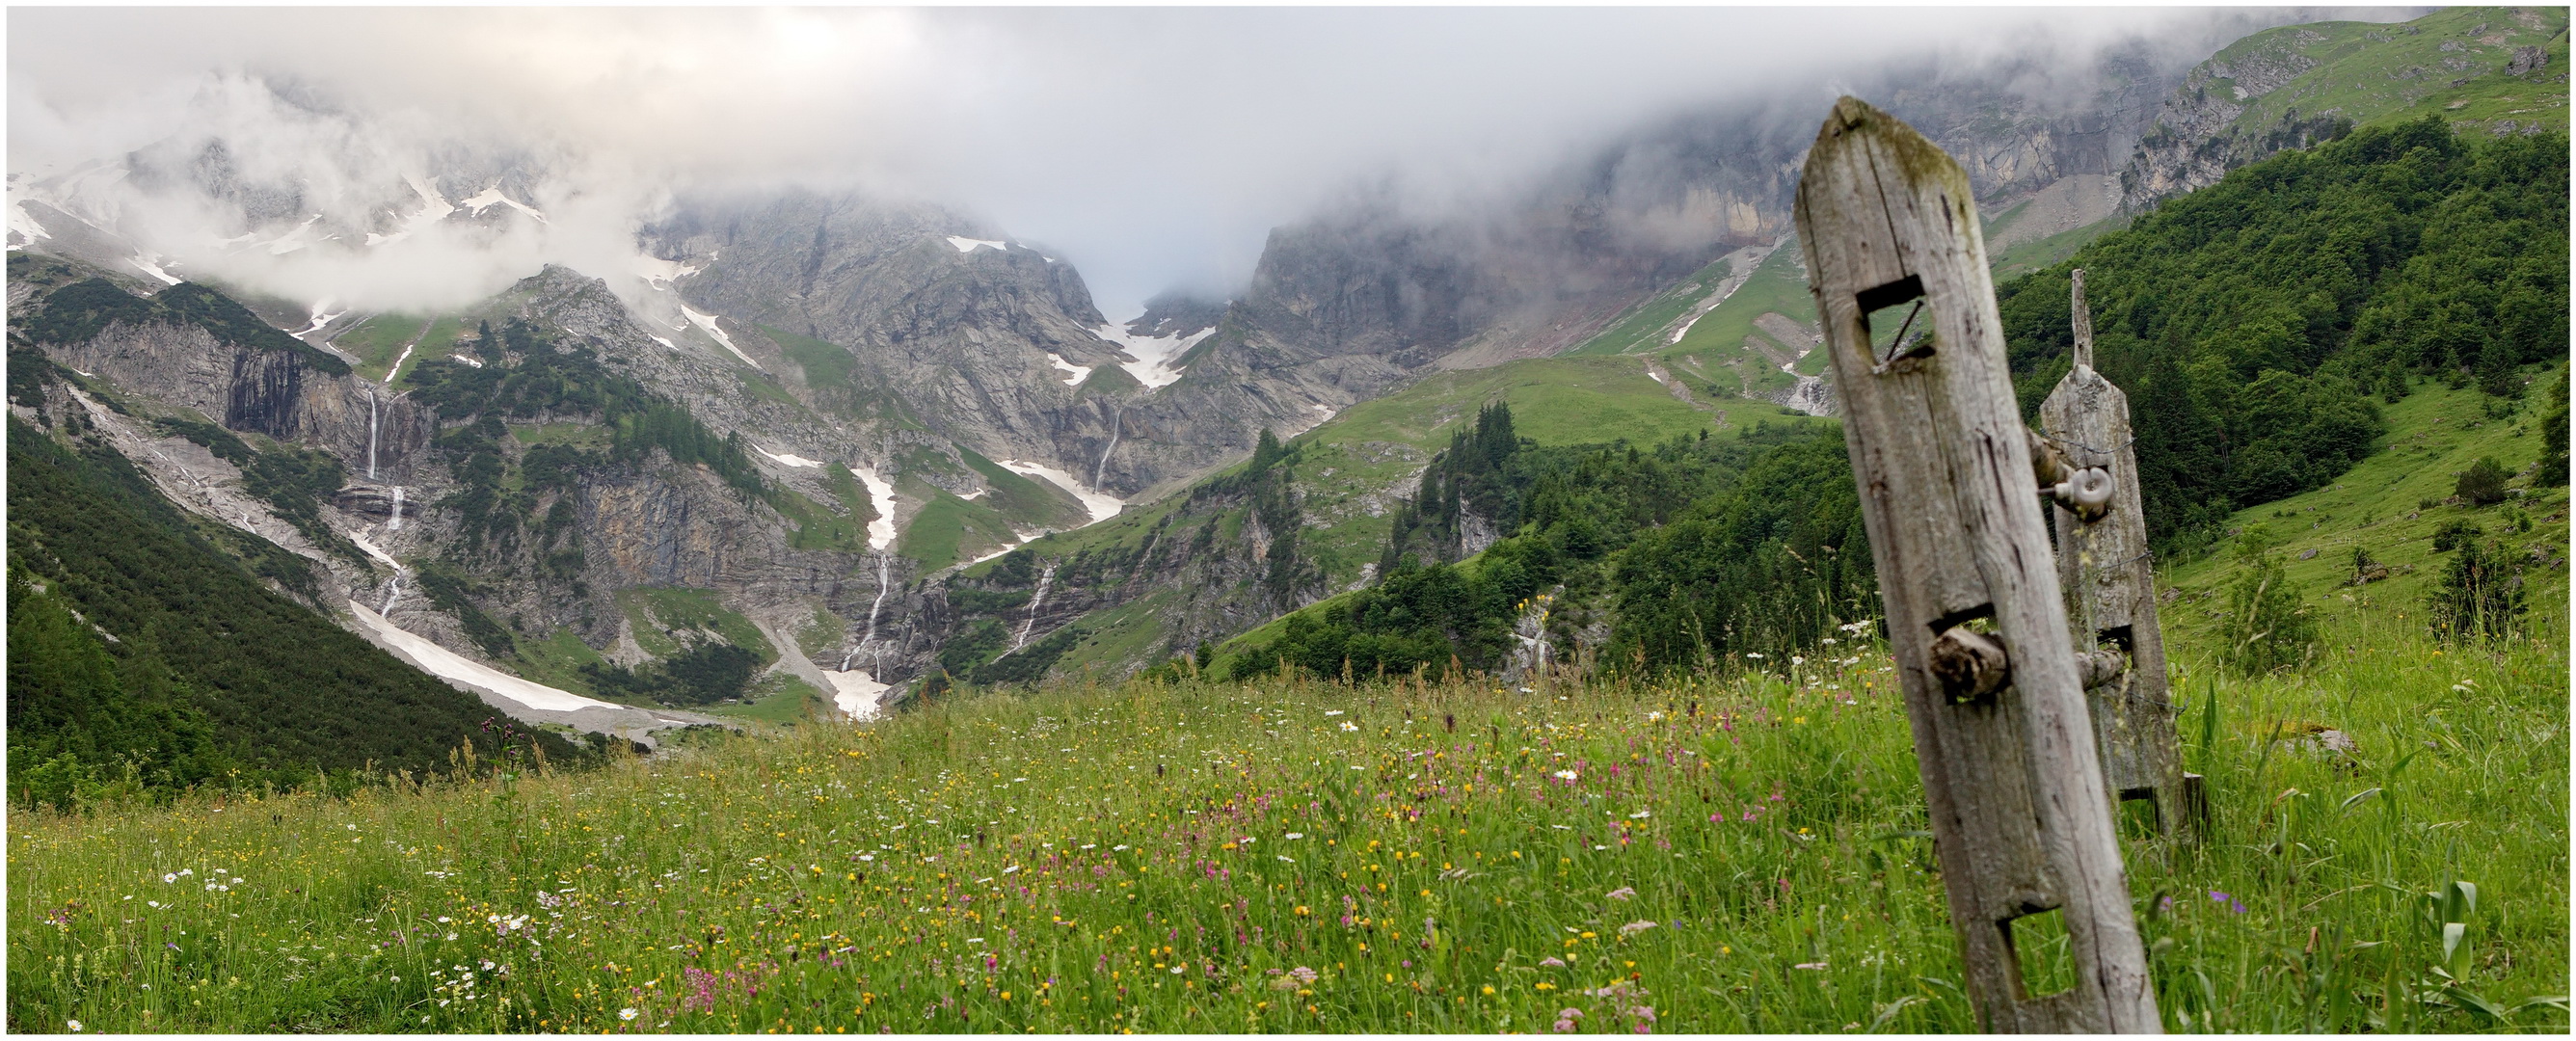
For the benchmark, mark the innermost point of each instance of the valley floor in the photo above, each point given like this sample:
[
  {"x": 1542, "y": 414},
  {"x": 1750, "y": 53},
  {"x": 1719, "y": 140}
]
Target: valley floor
[{"x": 1736, "y": 854}]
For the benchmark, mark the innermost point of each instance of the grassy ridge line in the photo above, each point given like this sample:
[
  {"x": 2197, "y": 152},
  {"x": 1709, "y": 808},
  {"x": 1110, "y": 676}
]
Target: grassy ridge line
[
  {"x": 2378, "y": 74},
  {"x": 2022, "y": 258},
  {"x": 1744, "y": 852}
]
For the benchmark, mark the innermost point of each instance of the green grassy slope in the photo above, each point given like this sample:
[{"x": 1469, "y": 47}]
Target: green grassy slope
[
  {"x": 949, "y": 529},
  {"x": 2022, "y": 258},
  {"x": 1027, "y": 501},
  {"x": 2449, "y": 63},
  {"x": 1638, "y": 329},
  {"x": 824, "y": 364},
  {"x": 1734, "y": 854},
  {"x": 2379, "y": 506}
]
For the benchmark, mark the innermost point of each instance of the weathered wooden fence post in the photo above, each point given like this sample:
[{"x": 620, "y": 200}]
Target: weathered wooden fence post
[
  {"x": 2109, "y": 580},
  {"x": 2020, "y": 818}
]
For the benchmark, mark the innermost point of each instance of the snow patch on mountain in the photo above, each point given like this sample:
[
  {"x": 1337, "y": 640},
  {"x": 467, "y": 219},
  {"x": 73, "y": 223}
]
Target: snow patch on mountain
[
  {"x": 967, "y": 245},
  {"x": 446, "y": 664},
  {"x": 1074, "y": 374},
  {"x": 708, "y": 323},
  {"x": 855, "y": 692},
  {"x": 1154, "y": 354},
  {"x": 660, "y": 273},
  {"x": 790, "y": 459},
  {"x": 433, "y": 209},
  {"x": 321, "y": 318},
  {"x": 22, "y": 224},
  {"x": 1102, "y": 507},
  {"x": 374, "y": 551},
  {"x": 294, "y": 239},
  {"x": 151, "y": 265},
  {"x": 881, "y": 497},
  {"x": 492, "y": 196}
]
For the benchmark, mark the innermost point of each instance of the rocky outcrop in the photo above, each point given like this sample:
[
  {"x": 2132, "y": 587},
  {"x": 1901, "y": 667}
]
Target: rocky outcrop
[
  {"x": 2194, "y": 140},
  {"x": 948, "y": 324},
  {"x": 273, "y": 393},
  {"x": 1177, "y": 314}
]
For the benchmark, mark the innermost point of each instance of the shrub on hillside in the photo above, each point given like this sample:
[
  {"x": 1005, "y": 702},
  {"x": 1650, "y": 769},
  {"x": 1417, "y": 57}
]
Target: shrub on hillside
[
  {"x": 2267, "y": 625},
  {"x": 2480, "y": 595},
  {"x": 702, "y": 675},
  {"x": 2482, "y": 484},
  {"x": 2454, "y": 533}
]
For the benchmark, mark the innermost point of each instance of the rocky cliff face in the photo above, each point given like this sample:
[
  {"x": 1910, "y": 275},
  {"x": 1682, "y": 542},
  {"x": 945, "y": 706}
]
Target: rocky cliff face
[
  {"x": 2195, "y": 141},
  {"x": 1368, "y": 296},
  {"x": 946, "y": 323},
  {"x": 601, "y": 526},
  {"x": 280, "y": 395}
]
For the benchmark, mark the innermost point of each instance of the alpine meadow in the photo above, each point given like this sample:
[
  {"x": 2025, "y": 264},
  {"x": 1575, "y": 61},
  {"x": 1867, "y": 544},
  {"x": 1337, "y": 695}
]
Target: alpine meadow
[{"x": 472, "y": 571}]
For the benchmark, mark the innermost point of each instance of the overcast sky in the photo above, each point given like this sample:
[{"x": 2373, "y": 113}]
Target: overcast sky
[{"x": 1150, "y": 146}]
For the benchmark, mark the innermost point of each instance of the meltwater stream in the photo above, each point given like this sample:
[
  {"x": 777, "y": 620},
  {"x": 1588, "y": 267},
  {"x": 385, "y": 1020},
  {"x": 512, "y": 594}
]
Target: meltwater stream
[
  {"x": 1035, "y": 602},
  {"x": 1116, "y": 414}
]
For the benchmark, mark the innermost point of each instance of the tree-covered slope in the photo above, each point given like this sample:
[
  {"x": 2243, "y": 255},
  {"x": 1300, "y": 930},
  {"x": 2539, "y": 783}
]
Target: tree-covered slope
[
  {"x": 180, "y": 659},
  {"x": 2258, "y": 325},
  {"x": 1614, "y": 557}
]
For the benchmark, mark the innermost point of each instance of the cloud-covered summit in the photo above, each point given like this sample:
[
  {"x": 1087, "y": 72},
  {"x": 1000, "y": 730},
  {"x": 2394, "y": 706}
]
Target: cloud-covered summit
[{"x": 1152, "y": 146}]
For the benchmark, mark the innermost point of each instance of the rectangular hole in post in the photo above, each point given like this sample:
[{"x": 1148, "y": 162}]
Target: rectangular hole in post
[
  {"x": 2043, "y": 953},
  {"x": 2139, "y": 815},
  {"x": 1896, "y": 319},
  {"x": 2123, "y": 637}
]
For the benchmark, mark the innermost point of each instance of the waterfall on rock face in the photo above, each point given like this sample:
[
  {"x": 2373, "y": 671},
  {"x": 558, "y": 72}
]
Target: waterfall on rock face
[
  {"x": 877, "y": 603},
  {"x": 870, "y": 634},
  {"x": 1035, "y": 602},
  {"x": 396, "y": 523},
  {"x": 1102, "y": 467},
  {"x": 371, "y": 435},
  {"x": 393, "y": 589}
]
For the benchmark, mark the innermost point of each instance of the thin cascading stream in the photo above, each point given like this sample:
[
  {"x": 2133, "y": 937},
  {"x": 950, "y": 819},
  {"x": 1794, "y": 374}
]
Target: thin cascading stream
[
  {"x": 1035, "y": 602},
  {"x": 395, "y": 524},
  {"x": 393, "y": 589},
  {"x": 371, "y": 435},
  {"x": 876, "y": 604},
  {"x": 870, "y": 634},
  {"x": 1102, "y": 467}
]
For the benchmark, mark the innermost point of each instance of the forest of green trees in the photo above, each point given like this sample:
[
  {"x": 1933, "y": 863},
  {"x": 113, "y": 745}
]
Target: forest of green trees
[
  {"x": 2257, "y": 323},
  {"x": 1692, "y": 550}
]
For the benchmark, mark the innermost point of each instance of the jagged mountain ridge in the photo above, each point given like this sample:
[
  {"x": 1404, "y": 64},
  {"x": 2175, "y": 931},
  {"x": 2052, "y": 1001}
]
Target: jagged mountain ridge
[{"x": 973, "y": 394}]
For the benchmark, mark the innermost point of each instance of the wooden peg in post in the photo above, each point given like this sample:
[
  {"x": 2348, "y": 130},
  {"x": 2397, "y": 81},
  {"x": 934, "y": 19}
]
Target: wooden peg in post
[
  {"x": 2109, "y": 579},
  {"x": 2020, "y": 819}
]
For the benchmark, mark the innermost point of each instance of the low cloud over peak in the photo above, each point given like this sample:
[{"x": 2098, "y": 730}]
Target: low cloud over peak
[{"x": 1152, "y": 146}]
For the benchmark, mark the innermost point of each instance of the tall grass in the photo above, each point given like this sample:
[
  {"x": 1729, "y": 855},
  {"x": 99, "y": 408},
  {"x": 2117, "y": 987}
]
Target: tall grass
[{"x": 1744, "y": 853}]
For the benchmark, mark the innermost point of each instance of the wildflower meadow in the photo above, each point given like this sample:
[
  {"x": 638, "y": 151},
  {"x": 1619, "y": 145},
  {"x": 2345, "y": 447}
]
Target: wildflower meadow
[{"x": 1745, "y": 852}]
